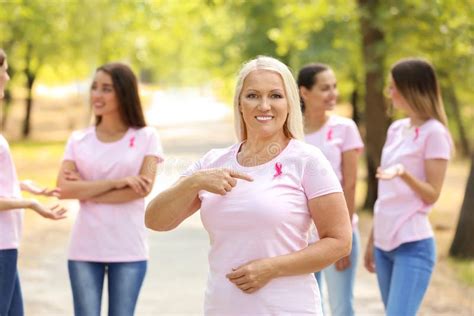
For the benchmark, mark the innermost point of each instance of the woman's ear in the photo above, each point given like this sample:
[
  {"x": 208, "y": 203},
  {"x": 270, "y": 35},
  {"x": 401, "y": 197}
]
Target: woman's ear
[{"x": 303, "y": 92}]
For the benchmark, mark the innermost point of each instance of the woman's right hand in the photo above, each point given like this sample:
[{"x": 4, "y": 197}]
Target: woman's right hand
[
  {"x": 219, "y": 180},
  {"x": 51, "y": 212},
  {"x": 140, "y": 184},
  {"x": 72, "y": 175},
  {"x": 369, "y": 261},
  {"x": 33, "y": 188}
]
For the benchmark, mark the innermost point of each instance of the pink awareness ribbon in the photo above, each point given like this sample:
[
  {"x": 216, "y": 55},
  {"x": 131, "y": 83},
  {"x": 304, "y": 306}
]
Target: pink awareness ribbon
[
  {"x": 278, "y": 169},
  {"x": 417, "y": 133},
  {"x": 329, "y": 134}
]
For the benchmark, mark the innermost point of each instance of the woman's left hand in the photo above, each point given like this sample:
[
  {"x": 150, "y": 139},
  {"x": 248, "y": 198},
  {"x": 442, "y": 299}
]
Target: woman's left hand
[
  {"x": 252, "y": 276},
  {"x": 31, "y": 187},
  {"x": 343, "y": 263},
  {"x": 390, "y": 172}
]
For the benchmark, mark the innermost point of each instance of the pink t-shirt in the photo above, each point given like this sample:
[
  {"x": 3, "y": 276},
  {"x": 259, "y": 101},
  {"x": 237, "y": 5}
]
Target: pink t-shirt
[
  {"x": 337, "y": 135},
  {"x": 264, "y": 218},
  {"x": 110, "y": 232},
  {"x": 10, "y": 221},
  {"x": 400, "y": 215}
]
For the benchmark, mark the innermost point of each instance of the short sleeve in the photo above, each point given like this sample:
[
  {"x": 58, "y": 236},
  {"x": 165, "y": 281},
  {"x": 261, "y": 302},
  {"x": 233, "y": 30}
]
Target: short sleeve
[
  {"x": 393, "y": 128},
  {"x": 154, "y": 147},
  {"x": 352, "y": 139},
  {"x": 5, "y": 164},
  {"x": 438, "y": 145},
  {"x": 195, "y": 166},
  {"x": 205, "y": 162},
  {"x": 3, "y": 146},
  {"x": 318, "y": 177},
  {"x": 69, "y": 151},
  {"x": 8, "y": 179}
]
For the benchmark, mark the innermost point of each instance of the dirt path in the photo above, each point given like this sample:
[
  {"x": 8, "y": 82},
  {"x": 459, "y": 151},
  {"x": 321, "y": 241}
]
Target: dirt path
[{"x": 178, "y": 260}]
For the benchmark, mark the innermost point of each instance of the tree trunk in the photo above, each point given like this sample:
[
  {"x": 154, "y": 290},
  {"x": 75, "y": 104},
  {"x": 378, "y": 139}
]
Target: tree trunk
[
  {"x": 29, "y": 107},
  {"x": 7, "y": 99},
  {"x": 452, "y": 99},
  {"x": 463, "y": 245},
  {"x": 376, "y": 119},
  {"x": 30, "y": 80},
  {"x": 355, "y": 106}
]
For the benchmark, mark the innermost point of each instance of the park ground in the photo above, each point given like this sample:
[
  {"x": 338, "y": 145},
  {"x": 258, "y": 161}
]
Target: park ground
[{"x": 178, "y": 260}]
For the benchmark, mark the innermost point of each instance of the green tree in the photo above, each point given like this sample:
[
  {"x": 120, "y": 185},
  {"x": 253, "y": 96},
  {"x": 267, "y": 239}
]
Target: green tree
[{"x": 35, "y": 42}]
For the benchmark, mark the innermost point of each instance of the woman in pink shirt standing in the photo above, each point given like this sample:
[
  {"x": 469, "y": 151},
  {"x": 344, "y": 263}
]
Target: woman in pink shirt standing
[
  {"x": 339, "y": 140},
  {"x": 401, "y": 248},
  {"x": 11, "y": 217},
  {"x": 257, "y": 200},
  {"x": 110, "y": 167}
]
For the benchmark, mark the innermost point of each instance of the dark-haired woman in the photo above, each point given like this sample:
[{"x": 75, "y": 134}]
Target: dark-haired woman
[
  {"x": 339, "y": 140},
  {"x": 401, "y": 248},
  {"x": 110, "y": 167}
]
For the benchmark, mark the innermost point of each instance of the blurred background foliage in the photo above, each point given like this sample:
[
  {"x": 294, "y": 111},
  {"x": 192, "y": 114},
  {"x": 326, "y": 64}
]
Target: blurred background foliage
[{"x": 202, "y": 43}]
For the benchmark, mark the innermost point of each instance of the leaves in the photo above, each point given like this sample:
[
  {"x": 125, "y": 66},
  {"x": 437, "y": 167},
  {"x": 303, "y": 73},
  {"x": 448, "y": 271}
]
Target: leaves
[{"x": 195, "y": 41}]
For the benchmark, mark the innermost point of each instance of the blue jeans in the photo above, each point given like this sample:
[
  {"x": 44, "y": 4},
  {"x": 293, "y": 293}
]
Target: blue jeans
[
  {"x": 124, "y": 279},
  {"x": 341, "y": 283},
  {"x": 403, "y": 275},
  {"x": 11, "y": 301}
]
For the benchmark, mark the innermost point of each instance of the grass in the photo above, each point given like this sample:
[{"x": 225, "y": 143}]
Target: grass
[
  {"x": 464, "y": 270},
  {"x": 38, "y": 161}
]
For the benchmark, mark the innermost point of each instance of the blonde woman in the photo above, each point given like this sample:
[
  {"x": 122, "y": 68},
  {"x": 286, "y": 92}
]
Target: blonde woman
[
  {"x": 401, "y": 248},
  {"x": 258, "y": 199}
]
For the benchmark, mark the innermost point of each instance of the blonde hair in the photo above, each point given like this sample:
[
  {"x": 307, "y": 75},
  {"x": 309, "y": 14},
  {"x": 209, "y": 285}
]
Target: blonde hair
[
  {"x": 416, "y": 80},
  {"x": 293, "y": 127}
]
